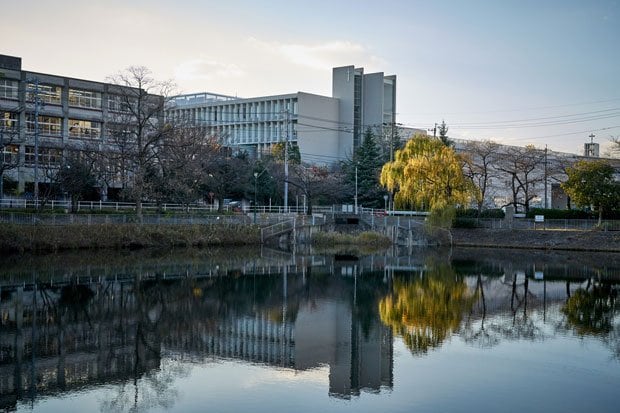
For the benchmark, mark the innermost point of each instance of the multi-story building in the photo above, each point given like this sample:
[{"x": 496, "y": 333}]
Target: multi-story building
[
  {"x": 326, "y": 129},
  {"x": 53, "y": 114}
]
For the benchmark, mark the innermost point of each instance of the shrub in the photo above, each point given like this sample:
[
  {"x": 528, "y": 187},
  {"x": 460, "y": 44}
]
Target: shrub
[
  {"x": 486, "y": 213},
  {"x": 461, "y": 222}
]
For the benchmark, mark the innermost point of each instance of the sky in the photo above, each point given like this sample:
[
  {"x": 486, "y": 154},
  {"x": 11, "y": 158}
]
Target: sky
[{"x": 516, "y": 72}]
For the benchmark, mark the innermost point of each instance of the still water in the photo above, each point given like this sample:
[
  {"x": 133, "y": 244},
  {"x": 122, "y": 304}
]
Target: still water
[{"x": 266, "y": 331}]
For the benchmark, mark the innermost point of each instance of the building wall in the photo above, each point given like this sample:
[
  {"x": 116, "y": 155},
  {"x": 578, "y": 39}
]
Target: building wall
[
  {"x": 373, "y": 102},
  {"x": 327, "y": 129},
  {"x": 317, "y": 128},
  {"x": 342, "y": 89}
]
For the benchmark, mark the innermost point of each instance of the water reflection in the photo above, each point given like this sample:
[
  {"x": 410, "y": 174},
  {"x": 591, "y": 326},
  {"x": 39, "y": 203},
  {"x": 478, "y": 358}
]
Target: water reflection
[{"x": 140, "y": 321}]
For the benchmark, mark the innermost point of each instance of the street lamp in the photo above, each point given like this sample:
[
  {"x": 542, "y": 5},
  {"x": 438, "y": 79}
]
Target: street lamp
[
  {"x": 255, "y": 195},
  {"x": 385, "y": 198},
  {"x": 256, "y": 176}
]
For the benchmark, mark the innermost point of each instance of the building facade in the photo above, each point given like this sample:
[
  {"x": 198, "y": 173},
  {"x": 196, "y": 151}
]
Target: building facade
[
  {"x": 42, "y": 116},
  {"x": 326, "y": 129}
]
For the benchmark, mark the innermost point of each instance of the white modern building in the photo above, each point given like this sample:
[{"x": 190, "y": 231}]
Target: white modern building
[{"x": 326, "y": 129}]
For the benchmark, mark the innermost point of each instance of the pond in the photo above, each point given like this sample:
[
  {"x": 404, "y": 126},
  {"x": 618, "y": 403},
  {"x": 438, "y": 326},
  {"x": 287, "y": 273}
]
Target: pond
[{"x": 270, "y": 331}]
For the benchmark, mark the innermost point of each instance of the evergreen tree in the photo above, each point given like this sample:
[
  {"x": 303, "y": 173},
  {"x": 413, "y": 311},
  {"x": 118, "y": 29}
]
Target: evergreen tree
[
  {"x": 443, "y": 134},
  {"x": 367, "y": 160}
]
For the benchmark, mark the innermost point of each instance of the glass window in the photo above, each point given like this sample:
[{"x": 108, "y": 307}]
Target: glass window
[
  {"x": 9, "y": 89},
  {"x": 85, "y": 129},
  {"x": 84, "y": 98},
  {"x": 47, "y": 156},
  {"x": 117, "y": 103},
  {"x": 8, "y": 121},
  {"x": 48, "y": 125},
  {"x": 47, "y": 93},
  {"x": 121, "y": 134},
  {"x": 10, "y": 154}
]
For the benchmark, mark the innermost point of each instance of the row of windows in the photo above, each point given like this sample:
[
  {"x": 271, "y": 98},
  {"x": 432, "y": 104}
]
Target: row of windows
[
  {"x": 50, "y": 94},
  {"x": 242, "y": 112},
  {"x": 47, "y": 156},
  {"x": 52, "y": 126}
]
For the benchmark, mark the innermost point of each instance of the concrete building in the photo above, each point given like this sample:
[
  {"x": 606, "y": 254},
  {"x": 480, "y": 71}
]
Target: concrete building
[
  {"x": 326, "y": 129},
  {"x": 54, "y": 114}
]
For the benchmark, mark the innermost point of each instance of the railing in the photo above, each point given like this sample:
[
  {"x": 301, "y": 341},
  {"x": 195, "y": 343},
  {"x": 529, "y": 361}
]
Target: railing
[
  {"x": 551, "y": 224},
  {"x": 277, "y": 229},
  {"x": 23, "y": 203},
  {"x": 99, "y": 219}
]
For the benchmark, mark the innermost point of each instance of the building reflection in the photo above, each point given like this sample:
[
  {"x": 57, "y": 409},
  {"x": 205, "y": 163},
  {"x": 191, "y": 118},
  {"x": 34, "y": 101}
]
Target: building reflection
[
  {"x": 61, "y": 333},
  {"x": 66, "y": 336}
]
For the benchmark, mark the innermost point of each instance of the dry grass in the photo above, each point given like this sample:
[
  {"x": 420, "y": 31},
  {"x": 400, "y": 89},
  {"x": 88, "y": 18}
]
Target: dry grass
[
  {"x": 21, "y": 238},
  {"x": 336, "y": 238}
]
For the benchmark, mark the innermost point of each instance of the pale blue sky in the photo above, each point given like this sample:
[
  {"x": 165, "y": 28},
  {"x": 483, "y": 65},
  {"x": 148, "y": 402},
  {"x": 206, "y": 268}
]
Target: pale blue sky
[{"x": 473, "y": 63}]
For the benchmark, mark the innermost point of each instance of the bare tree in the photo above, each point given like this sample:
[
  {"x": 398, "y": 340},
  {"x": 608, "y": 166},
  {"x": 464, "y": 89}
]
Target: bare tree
[
  {"x": 137, "y": 127},
  {"x": 479, "y": 161},
  {"x": 75, "y": 177},
  {"x": 184, "y": 164},
  {"x": 226, "y": 175},
  {"x": 524, "y": 168},
  {"x": 316, "y": 183}
]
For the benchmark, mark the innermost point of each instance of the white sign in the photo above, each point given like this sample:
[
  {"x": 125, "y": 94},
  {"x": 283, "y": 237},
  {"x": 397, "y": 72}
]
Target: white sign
[{"x": 539, "y": 218}]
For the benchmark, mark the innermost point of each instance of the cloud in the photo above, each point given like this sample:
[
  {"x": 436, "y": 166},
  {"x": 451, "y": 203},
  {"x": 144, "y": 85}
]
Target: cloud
[
  {"x": 205, "y": 69},
  {"x": 319, "y": 56}
]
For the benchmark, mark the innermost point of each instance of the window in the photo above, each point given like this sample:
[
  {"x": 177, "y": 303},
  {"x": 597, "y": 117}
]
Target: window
[
  {"x": 48, "y": 125},
  {"x": 8, "y": 121},
  {"x": 10, "y": 154},
  {"x": 117, "y": 103},
  {"x": 47, "y": 93},
  {"x": 84, "y": 98},
  {"x": 121, "y": 134},
  {"x": 84, "y": 129},
  {"x": 47, "y": 156},
  {"x": 8, "y": 89}
]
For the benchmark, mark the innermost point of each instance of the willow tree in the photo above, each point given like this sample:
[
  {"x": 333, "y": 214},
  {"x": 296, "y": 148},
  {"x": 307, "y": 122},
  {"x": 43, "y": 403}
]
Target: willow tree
[
  {"x": 426, "y": 174},
  {"x": 426, "y": 311}
]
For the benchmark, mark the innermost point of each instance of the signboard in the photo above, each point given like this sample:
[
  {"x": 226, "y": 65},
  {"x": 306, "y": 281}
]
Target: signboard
[{"x": 539, "y": 218}]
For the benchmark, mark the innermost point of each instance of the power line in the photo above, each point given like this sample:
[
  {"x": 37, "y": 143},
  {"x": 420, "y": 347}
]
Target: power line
[
  {"x": 521, "y": 109},
  {"x": 536, "y": 119}
]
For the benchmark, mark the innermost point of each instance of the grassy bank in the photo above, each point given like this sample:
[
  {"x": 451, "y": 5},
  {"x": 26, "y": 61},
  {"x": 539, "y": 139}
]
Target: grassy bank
[
  {"x": 22, "y": 238},
  {"x": 569, "y": 240},
  {"x": 375, "y": 239}
]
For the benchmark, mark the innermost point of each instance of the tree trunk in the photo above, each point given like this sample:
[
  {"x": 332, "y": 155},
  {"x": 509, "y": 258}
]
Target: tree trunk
[{"x": 600, "y": 215}]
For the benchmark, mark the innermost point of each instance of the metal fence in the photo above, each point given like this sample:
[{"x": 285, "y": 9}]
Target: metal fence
[
  {"x": 551, "y": 224},
  {"x": 99, "y": 219}
]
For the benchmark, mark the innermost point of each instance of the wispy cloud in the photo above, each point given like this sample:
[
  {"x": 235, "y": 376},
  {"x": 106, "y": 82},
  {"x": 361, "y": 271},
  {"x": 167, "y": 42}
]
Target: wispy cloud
[
  {"x": 319, "y": 56},
  {"x": 206, "y": 69}
]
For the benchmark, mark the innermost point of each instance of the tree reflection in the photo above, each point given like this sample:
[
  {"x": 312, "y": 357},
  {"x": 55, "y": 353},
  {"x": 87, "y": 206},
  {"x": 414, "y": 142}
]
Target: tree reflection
[
  {"x": 426, "y": 310},
  {"x": 591, "y": 312}
]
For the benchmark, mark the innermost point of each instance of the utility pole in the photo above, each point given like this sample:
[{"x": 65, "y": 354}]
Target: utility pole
[
  {"x": 37, "y": 104},
  {"x": 546, "y": 204},
  {"x": 286, "y": 164},
  {"x": 356, "y": 187}
]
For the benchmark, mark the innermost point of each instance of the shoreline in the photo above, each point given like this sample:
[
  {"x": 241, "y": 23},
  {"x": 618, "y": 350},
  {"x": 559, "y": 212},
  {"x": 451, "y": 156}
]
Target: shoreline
[
  {"x": 48, "y": 238},
  {"x": 548, "y": 240}
]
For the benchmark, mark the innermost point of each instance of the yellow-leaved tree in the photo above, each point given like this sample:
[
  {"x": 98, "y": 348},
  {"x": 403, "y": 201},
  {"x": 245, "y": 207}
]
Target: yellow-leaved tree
[
  {"x": 426, "y": 174},
  {"x": 426, "y": 311}
]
